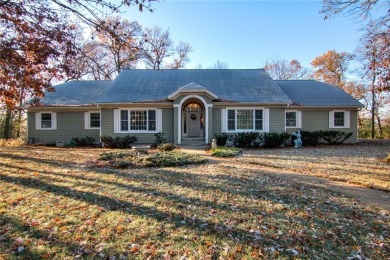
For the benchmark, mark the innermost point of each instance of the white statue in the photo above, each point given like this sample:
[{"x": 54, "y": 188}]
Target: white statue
[
  {"x": 214, "y": 144},
  {"x": 298, "y": 139}
]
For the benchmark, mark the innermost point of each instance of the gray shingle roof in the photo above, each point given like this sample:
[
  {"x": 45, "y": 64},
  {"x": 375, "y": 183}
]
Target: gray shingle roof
[
  {"x": 192, "y": 86},
  {"x": 315, "y": 93},
  {"x": 76, "y": 93},
  {"x": 233, "y": 85},
  {"x": 252, "y": 86}
]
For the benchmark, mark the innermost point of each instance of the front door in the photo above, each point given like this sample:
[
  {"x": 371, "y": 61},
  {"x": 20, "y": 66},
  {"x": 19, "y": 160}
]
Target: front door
[{"x": 193, "y": 123}]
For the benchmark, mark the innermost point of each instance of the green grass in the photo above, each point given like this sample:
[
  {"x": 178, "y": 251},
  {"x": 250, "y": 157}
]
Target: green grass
[
  {"x": 53, "y": 207},
  {"x": 126, "y": 159},
  {"x": 226, "y": 152}
]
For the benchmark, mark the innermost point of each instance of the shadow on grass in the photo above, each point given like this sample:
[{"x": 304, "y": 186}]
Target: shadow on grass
[
  {"x": 10, "y": 225},
  {"x": 246, "y": 184}
]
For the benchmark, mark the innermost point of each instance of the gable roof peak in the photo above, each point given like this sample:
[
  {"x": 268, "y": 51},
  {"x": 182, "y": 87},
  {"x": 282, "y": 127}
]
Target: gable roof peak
[{"x": 192, "y": 86}]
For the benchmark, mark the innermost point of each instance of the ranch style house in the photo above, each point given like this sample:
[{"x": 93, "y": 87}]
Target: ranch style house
[{"x": 189, "y": 105}]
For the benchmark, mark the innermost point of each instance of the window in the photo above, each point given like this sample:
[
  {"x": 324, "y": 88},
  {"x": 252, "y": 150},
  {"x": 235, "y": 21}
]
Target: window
[
  {"x": 124, "y": 120},
  {"x": 293, "y": 119},
  {"x": 339, "y": 119},
  {"x": 92, "y": 120},
  {"x": 138, "y": 120},
  {"x": 46, "y": 121},
  {"x": 244, "y": 119}
]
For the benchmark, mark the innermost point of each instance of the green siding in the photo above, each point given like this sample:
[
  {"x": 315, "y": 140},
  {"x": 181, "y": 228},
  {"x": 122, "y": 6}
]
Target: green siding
[
  {"x": 276, "y": 120},
  {"x": 315, "y": 120},
  {"x": 210, "y": 111},
  {"x": 69, "y": 125},
  {"x": 107, "y": 116},
  {"x": 216, "y": 124},
  {"x": 175, "y": 125}
]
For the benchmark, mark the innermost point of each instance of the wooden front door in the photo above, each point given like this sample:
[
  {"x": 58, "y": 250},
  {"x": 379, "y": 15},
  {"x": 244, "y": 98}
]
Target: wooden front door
[{"x": 193, "y": 123}]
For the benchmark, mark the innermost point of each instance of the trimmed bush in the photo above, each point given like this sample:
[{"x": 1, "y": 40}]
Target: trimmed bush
[
  {"x": 221, "y": 138},
  {"x": 166, "y": 147},
  {"x": 83, "y": 141},
  {"x": 160, "y": 139},
  {"x": 310, "y": 138},
  {"x": 118, "y": 142},
  {"x": 335, "y": 137},
  {"x": 274, "y": 140},
  {"x": 226, "y": 152},
  {"x": 245, "y": 139}
]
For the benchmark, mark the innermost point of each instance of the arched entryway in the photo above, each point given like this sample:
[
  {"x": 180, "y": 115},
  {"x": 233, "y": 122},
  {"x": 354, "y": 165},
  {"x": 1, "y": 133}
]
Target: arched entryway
[
  {"x": 198, "y": 106},
  {"x": 193, "y": 119}
]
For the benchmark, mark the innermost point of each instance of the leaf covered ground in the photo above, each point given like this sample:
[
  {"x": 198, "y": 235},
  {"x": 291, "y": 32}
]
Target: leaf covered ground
[
  {"x": 52, "y": 206},
  {"x": 362, "y": 163}
]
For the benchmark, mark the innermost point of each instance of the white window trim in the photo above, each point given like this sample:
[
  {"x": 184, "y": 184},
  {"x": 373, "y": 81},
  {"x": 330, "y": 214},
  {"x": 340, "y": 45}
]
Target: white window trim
[
  {"x": 87, "y": 120},
  {"x": 347, "y": 119},
  {"x": 298, "y": 123},
  {"x": 117, "y": 121},
  {"x": 38, "y": 120},
  {"x": 224, "y": 120}
]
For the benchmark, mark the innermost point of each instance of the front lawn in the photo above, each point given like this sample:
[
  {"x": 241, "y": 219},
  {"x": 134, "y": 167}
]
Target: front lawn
[
  {"x": 53, "y": 205},
  {"x": 363, "y": 164}
]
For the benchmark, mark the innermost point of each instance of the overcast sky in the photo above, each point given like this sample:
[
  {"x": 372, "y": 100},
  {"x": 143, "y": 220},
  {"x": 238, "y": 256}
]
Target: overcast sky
[{"x": 246, "y": 33}]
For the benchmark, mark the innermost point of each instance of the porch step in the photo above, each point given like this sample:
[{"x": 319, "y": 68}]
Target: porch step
[{"x": 193, "y": 141}]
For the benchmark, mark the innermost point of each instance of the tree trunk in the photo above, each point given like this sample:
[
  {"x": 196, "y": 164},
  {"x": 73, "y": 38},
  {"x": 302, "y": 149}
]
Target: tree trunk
[
  {"x": 7, "y": 125},
  {"x": 373, "y": 113},
  {"x": 378, "y": 119}
]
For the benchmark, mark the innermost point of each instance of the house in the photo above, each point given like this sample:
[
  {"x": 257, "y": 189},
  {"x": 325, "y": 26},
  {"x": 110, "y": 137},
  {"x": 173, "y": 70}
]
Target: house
[{"x": 190, "y": 105}]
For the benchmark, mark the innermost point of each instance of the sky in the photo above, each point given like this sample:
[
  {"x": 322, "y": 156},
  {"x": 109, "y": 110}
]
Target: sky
[{"x": 245, "y": 34}]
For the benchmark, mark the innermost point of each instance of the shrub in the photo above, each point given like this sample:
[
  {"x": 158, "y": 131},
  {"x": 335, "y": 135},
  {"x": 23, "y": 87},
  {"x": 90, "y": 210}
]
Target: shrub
[
  {"x": 246, "y": 139},
  {"x": 221, "y": 138},
  {"x": 335, "y": 137},
  {"x": 166, "y": 147},
  {"x": 118, "y": 142},
  {"x": 160, "y": 139},
  {"x": 116, "y": 155},
  {"x": 274, "y": 140},
  {"x": 226, "y": 152},
  {"x": 83, "y": 141},
  {"x": 171, "y": 159},
  {"x": 310, "y": 138},
  {"x": 51, "y": 144}
]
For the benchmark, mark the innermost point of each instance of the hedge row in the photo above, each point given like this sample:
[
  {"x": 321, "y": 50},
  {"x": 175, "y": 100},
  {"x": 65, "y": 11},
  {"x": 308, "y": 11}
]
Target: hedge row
[{"x": 273, "y": 140}]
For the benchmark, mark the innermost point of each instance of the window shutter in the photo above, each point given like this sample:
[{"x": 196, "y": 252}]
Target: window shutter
[
  {"x": 266, "y": 120},
  {"x": 223, "y": 120},
  {"x": 116, "y": 121},
  {"x": 331, "y": 119},
  {"x": 159, "y": 120},
  {"x": 347, "y": 119},
  {"x": 54, "y": 120},
  {"x": 299, "y": 119},
  {"x": 37, "y": 121},
  {"x": 86, "y": 120}
]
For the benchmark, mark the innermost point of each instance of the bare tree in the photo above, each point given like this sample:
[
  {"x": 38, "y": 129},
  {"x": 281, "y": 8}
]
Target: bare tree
[
  {"x": 159, "y": 51},
  {"x": 361, "y": 10},
  {"x": 376, "y": 72},
  {"x": 282, "y": 69},
  {"x": 219, "y": 65}
]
